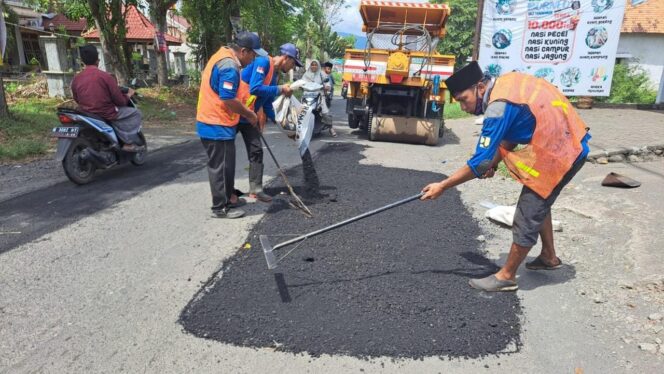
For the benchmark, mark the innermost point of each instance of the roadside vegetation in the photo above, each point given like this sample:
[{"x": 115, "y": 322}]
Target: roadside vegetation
[
  {"x": 26, "y": 133},
  {"x": 630, "y": 85}
]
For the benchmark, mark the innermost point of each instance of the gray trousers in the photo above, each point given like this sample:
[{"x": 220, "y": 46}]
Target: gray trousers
[
  {"x": 532, "y": 209},
  {"x": 128, "y": 124},
  {"x": 221, "y": 171},
  {"x": 252, "y": 140}
]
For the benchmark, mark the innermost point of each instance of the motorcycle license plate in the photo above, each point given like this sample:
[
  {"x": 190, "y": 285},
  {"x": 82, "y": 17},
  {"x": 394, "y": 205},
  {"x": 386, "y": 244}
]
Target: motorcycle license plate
[{"x": 65, "y": 132}]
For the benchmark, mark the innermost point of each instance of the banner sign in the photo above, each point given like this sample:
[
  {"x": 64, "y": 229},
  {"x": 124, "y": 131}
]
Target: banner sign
[
  {"x": 160, "y": 41},
  {"x": 571, "y": 43}
]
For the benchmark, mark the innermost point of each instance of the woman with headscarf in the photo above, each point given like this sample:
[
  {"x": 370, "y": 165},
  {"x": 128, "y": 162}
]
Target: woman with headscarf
[{"x": 315, "y": 75}]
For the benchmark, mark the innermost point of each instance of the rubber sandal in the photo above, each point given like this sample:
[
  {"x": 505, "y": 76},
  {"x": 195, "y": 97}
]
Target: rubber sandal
[
  {"x": 493, "y": 284},
  {"x": 261, "y": 196},
  {"x": 238, "y": 203},
  {"x": 538, "y": 264}
]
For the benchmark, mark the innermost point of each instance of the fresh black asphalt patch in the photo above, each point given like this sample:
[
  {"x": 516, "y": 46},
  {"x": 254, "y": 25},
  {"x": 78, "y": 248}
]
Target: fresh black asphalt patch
[{"x": 395, "y": 284}]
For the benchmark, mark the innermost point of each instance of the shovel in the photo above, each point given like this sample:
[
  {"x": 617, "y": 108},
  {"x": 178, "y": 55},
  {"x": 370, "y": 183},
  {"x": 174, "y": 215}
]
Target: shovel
[
  {"x": 268, "y": 249},
  {"x": 295, "y": 200}
]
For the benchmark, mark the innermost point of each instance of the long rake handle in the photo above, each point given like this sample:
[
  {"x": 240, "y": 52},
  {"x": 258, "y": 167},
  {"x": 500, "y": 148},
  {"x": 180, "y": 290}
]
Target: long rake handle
[
  {"x": 349, "y": 220},
  {"x": 283, "y": 175}
]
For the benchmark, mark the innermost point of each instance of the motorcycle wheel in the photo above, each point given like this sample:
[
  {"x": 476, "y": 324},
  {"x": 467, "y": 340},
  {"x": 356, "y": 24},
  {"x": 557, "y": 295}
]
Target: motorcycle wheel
[
  {"x": 139, "y": 157},
  {"x": 79, "y": 172}
]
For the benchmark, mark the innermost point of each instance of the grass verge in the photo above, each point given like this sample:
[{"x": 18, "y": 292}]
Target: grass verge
[
  {"x": 167, "y": 105},
  {"x": 453, "y": 111},
  {"x": 26, "y": 133}
]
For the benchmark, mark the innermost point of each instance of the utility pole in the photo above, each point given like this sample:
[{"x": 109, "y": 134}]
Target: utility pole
[{"x": 478, "y": 30}]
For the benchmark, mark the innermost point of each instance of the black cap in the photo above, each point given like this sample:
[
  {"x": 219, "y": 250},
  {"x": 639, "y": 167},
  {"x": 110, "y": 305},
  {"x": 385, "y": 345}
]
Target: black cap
[
  {"x": 465, "y": 78},
  {"x": 249, "y": 40}
]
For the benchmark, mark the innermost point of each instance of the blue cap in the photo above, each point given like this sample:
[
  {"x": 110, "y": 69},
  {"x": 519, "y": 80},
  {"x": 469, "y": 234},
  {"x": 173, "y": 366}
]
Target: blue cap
[
  {"x": 249, "y": 40},
  {"x": 290, "y": 50}
]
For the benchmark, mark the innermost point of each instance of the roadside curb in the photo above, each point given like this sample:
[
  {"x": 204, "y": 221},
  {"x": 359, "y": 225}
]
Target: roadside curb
[{"x": 627, "y": 154}]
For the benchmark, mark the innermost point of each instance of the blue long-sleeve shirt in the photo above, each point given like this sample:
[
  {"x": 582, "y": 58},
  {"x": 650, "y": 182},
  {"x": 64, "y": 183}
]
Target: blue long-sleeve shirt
[
  {"x": 514, "y": 124},
  {"x": 224, "y": 81},
  {"x": 254, "y": 75}
]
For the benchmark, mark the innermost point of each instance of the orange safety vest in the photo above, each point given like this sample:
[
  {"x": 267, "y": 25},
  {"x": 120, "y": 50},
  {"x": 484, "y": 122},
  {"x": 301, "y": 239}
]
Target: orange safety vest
[
  {"x": 243, "y": 93},
  {"x": 211, "y": 109},
  {"x": 556, "y": 142}
]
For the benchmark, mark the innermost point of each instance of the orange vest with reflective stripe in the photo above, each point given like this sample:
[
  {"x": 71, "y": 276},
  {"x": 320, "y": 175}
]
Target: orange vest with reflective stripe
[
  {"x": 211, "y": 109},
  {"x": 556, "y": 142},
  {"x": 243, "y": 93}
]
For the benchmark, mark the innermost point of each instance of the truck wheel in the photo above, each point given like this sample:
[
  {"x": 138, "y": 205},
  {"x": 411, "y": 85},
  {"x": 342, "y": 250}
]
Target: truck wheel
[
  {"x": 78, "y": 171},
  {"x": 370, "y": 133},
  {"x": 353, "y": 121}
]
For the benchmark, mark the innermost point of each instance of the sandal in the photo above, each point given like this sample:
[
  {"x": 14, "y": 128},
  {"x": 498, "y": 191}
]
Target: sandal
[
  {"x": 493, "y": 284},
  {"x": 538, "y": 264}
]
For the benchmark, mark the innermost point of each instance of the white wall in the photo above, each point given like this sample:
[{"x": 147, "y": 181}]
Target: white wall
[{"x": 647, "y": 50}]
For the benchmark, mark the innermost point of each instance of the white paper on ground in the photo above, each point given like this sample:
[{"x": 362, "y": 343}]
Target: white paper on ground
[{"x": 505, "y": 215}]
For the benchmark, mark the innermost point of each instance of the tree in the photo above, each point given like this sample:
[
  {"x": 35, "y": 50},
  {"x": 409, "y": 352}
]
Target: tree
[
  {"x": 109, "y": 16},
  {"x": 349, "y": 41},
  {"x": 159, "y": 11},
  {"x": 460, "y": 30},
  {"x": 210, "y": 25}
]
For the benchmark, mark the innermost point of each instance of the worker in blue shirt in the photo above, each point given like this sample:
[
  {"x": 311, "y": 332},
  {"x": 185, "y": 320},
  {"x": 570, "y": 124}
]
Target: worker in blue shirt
[
  {"x": 217, "y": 114},
  {"x": 532, "y": 127},
  {"x": 259, "y": 89}
]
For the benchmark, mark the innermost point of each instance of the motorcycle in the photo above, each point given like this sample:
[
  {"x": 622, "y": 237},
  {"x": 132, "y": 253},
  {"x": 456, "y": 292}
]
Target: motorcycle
[
  {"x": 87, "y": 142},
  {"x": 311, "y": 99}
]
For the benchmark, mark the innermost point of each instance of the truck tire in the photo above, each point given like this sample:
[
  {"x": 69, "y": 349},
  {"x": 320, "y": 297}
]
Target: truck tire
[
  {"x": 370, "y": 134},
  {"x": 353, "y": 121}
]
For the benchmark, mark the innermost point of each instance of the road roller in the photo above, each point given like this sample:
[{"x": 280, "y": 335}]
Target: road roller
[{"x": 395, "y": 87}]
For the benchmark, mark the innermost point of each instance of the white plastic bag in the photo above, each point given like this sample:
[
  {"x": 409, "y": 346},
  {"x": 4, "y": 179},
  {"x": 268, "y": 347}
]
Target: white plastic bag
[
  {"x": 286, "y": 110},
  {"x": 294, "y": 118}
]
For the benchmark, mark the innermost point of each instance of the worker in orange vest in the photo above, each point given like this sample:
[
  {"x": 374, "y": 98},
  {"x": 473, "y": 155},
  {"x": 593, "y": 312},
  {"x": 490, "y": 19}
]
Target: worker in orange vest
[
  {"x": 218, "y": 114},
  {"x": 532, "y": 127}
]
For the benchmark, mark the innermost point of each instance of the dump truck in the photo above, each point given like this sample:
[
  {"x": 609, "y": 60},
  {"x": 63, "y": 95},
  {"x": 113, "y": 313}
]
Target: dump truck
[{"x": 395, "y": 87}]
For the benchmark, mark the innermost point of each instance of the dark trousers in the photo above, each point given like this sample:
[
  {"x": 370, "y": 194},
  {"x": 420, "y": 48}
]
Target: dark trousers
[
  {"x": 252, "y": 140},
  {"x": 221, "y": 171}
]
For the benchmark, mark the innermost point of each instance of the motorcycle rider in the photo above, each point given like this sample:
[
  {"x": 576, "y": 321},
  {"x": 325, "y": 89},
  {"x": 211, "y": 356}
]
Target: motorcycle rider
[
  {"x": 315, "y": 75},
  {"x": 258, "y": 88},
  {"x": 97, "y": 92}
]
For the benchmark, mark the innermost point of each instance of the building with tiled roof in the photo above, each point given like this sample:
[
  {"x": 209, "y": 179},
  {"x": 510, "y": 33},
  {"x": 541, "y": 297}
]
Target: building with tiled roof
[
  {"x": 642, "y": 40},
  {"x": 139, "y": 29},
  {"x": 60, "y": 21}
]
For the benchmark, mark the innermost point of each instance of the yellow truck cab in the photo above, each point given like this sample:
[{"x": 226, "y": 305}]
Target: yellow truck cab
[{"x": 395, "y": 86}]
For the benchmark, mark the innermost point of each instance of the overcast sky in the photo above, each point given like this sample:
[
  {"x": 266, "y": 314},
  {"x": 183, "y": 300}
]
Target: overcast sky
[{"x": 351, "y": 19}]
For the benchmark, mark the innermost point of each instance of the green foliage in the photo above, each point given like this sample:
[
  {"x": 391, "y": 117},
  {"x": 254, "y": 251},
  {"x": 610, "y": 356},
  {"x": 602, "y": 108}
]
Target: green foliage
[
  {"x": 453, "y": 111},
  {"x": 26, "y": 132},
  {"x": 630, "y": 85},
  {"x": 194, "y": 77},
  {"x": 274, "y": 27},
  {"x": 305, "y": 23},
  {"x": 77, "y": 9},
  {"x": 460, "y": 30}
]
